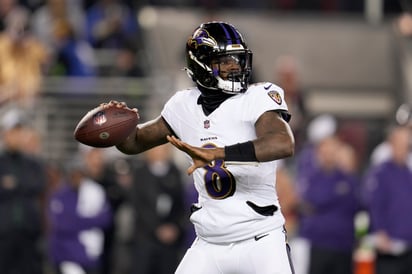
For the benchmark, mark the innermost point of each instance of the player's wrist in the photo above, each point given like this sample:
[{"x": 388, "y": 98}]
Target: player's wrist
[
  {"x": 242, "y": 152},
  {"x": 219, "y": 153}
]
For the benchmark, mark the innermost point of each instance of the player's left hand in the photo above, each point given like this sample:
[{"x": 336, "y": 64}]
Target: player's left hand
[{"x": 200, "y": 156}]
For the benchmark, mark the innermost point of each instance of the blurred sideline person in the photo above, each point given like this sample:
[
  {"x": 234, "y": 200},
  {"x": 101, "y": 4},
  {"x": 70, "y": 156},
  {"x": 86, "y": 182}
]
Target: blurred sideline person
[
  {"x": 383, "y": 151},
  {"x": 388, "y": 192},
  {"x": 127, "y": 63},
  {"x": 287, "y": 75},
  {"x": 113, "y": 175},
  {"x": 78, "y": 214},
  {"x": 329, "y": 198},
  {"x": 288, "y": 198},
  {"x": 22, "y": 189},
  {"x": 233, "y": 134},
  {"x": 319, "y": 128},
  {"x": 158, "y": 200}
]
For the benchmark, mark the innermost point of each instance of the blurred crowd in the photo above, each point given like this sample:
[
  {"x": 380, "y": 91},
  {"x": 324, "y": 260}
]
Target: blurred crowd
[
  {"x": 345, "y": 204},
  {"x": 99, "y": 214},
  {"x": 93, "y": 214},
  {"x": 75, "y": 38},
  {"x": 64, "y": 38}
]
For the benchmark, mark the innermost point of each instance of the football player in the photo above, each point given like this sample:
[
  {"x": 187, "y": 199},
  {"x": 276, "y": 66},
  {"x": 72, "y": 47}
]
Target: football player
[{"x": 233, "y": 132}]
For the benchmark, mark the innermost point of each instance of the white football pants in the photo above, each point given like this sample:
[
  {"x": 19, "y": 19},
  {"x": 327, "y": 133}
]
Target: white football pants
[{"x": 265, "y": 254}]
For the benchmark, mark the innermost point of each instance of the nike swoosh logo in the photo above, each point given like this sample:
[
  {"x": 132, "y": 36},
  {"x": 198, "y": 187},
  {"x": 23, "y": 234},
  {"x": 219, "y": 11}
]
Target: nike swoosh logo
[
  {"x": 257, "y": 238},
  {"x": 267, "y": 87}
]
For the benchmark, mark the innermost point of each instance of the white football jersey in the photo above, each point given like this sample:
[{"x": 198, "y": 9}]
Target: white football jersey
[{"x": 224, "y": 188}]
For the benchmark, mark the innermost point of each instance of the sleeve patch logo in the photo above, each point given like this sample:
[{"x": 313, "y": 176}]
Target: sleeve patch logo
[{"x": 275, "y": 96}]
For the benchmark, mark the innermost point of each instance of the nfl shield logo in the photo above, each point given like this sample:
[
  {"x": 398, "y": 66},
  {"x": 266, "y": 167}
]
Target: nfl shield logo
[
  {"x": 206, "y": 124},
  {"x": 99, "y": 118}
]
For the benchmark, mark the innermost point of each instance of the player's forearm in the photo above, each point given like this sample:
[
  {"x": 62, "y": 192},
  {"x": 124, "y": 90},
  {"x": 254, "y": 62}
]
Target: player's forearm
[
  {"x": 268, "y": 148},
  {"x": 146, "y": 136},
  {"x": 130, "y": 145},
  {"x": 138, "y": 142}
]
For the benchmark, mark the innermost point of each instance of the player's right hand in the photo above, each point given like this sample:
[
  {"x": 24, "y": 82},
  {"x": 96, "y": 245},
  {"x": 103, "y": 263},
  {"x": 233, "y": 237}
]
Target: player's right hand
[{"x": 119, "y": 105}]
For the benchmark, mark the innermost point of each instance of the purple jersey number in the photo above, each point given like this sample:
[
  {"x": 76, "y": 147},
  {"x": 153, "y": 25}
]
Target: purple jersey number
[{"x": 219, "y": 182}]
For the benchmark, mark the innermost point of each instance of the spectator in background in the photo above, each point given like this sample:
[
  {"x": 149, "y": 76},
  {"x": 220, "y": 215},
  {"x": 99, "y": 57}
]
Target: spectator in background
[
  {"x": 22, "y": 189},
  {"x": 7, "y": 8},
  {"x": 33, "y": 142},
  {"x": 287, "y": 75},
  {"x": 45, "y": 18},
  {"x": 355, "y": 133},
  {"x": 388, "y": 192},
  {"x": 288, "y": 198},
  {"x": 114, "y": 177},
  {"x": 22, "y": 57},
  {"x": 73, "y": 55},
  {"x": 319, "y": 128},
  {"x": 383, "y": 151},
  {"x": 403, "y": 23},
  {"x": 127, "y": 63},
  {"x": 110, "y": 24},
  {"x": 78, "y": 212},
  {"x": 329, "y": 202},
  {"x": 158, "y": 201}
]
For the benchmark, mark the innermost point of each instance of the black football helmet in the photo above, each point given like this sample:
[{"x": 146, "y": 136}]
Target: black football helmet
[{"x": 213, "y": 41}]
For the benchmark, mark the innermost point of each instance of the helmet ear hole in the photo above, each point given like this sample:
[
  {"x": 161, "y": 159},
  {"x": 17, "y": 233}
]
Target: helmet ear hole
[
  {"x": 204, "y": 59},
  {"x": 210, "y": 80}
]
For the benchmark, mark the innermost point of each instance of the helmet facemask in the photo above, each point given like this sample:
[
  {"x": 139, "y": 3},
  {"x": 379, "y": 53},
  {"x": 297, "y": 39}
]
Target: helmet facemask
[{"x": 232, "y": 71}]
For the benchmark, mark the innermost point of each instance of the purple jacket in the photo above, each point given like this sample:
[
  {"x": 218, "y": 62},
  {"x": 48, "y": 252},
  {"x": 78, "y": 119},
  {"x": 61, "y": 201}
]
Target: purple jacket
[
  {"x": 329, "y": 204},
  {"x": 66, "y": 226},
  {"x": 388, "y": 196}
]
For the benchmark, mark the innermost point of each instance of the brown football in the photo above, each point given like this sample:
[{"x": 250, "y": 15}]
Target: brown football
[{"x": 106, "y": 127}]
